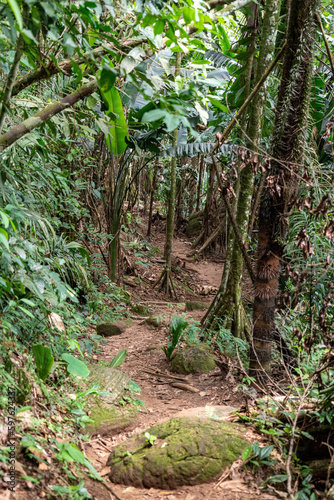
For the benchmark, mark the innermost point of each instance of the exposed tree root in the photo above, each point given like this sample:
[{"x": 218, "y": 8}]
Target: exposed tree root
[
  {"x": 227, "y": 312},
  {"x": 166, "y": 283},
  {"x": 213, "y": 236}
]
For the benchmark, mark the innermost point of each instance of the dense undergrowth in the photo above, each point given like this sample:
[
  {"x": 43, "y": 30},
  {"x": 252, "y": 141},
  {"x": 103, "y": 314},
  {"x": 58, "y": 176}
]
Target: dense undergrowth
[{"x": 72, "y": 197}]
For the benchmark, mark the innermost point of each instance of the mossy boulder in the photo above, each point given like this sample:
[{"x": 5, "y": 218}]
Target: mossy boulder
[
  {"x": 196, "y": 306},
  {"x": 193, "y": 359},
  {"x": 141, "y": 310},
  {"x": 186, "y": 451},
  {"x": 194, "y": 226},
  {"x": 114, "y": 328},
  {"x": 154, "y": 347},
  {"x": 108, "y": 411},
  {"x": 156, "y": 321}
]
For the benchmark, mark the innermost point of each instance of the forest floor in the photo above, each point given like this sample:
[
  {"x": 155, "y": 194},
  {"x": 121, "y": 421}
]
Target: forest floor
[
  {"x": 161, "y": 399},
  {"x": 146, "y": 365}
]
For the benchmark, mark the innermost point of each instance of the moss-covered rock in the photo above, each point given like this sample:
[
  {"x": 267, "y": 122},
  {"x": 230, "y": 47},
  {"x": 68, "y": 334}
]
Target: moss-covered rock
[
  {"x": 193, "y": 359},
  {"x": 196, "y": 306},
  {"x": 141, "y": 310},
  {"x": 106, "y": 411},
  {"x": 186, "y": 451},
  {"x": 114, "y": 328},
  {"x": 194, "y": 227},
  {"x": 154, "y": 347},
  {"x": 156, "y": 321}
]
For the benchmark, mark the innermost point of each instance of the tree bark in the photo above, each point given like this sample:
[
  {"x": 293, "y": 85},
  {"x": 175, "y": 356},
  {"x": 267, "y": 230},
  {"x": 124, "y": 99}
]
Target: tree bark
[
  {"x": 288, "y": 150},
  {"x": 230, "y": 297},
  {"x": 45, "y": 114}
]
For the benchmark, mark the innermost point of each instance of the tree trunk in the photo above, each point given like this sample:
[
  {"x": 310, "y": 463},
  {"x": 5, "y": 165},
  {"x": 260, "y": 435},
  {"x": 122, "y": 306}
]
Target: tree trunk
[
  {"x": 230, "y": 302},
  {"x": 199, "y": 184},
  {"x": 282, "y": 184},
  {"x": 166, "y": 276},
  {"x": 153, "y": 188}
]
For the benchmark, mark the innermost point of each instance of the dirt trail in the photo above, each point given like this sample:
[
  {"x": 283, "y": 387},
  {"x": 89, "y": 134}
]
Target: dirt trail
[{"x": 161, "y": 399}]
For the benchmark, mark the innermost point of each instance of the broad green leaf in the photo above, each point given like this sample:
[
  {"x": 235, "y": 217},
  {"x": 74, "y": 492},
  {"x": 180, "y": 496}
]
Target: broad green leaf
[
  {"x": 75, "y": 366},
  {"x": 171, "y": 121},
  {"x": 29, "y": 302},
  {"x": 47, "y": 6},
  {"x": 28, "y": 313},
  {"x": 265, "y": 452},
  {"x": 117, "y": 130},
  {"x": 246, "y": 453},
  {"x": 4, "y": 238},
  {"x": 118, "y": 359},
  {"x": 16, "y": 11},
  {"x": 128, "y": 64},
  {"x": 153, "y": 115},
  {"x": 43, "y": 359},
  {"x": 133, "y": 387},
  {"x": 159, "y": 27},
  {"x": 5, "y": 219},
  {"x": 107, "y": 80}
]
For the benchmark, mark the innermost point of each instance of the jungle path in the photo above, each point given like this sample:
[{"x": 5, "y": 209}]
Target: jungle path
[{"x": 146, "y": 365}]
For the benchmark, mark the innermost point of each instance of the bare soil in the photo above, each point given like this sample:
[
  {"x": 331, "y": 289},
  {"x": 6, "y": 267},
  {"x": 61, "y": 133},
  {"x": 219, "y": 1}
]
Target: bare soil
[{"x": 148, "y": 367}]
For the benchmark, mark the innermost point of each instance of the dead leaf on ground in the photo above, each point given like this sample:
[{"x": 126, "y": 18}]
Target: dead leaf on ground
[
  {"x": 105, "y": 471},
  {"x": 235, "y": 485}
]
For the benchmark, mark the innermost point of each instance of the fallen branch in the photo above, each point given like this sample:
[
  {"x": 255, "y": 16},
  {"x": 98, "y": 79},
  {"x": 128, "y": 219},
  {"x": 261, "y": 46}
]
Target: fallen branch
[
  {"x": 213, "y": 236},
  {"x": 162, "y": 374},
  {"x": 51, "y": 69},
  {"x": 45, "y": 114},
  {"x": 112, "y": 491},
  {"x": 185, "y": 387}
]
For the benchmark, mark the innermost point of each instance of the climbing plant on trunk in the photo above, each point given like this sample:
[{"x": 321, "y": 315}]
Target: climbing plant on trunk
[
  {"x": 283, "y": 180},
  {"x": 228, "y": 302}
]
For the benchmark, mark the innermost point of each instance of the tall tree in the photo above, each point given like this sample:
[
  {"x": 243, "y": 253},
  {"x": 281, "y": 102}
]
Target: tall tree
[
  {"x": 288, "y": 146},
  {"x": 166, "y": 276},
  {"x": 228, "y": 302}
]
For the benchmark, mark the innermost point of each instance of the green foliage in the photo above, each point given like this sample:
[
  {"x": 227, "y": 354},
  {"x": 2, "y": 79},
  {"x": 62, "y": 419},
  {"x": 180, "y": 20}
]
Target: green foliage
[
  {"x": 117, "y": 132},
  {"x": 232, "y": 346},
  {"x": 150, "y": 438},
  {"x": 118, "y": 359},
  {"x": 258, "y": 456},
  {"x": 75, "y": 366},
  {"x": 178, "y": 325},
  {"x": 43, "y": 359}
]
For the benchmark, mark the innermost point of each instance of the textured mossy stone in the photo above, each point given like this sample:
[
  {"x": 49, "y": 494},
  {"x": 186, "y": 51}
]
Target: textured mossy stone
[
  {"x": 193, "y": 359},
  {"x": 154, "y": 347},
  {"x": 155, "y": 321},
  {"x": 195, "y": 306},
  {"x": 106, "y": 411},
  {"x": 187, "y": 451},
  {"x": 141, "y": 310},
  {"x": 114, "y": 328},
  {"x": 194, "y": 227}
]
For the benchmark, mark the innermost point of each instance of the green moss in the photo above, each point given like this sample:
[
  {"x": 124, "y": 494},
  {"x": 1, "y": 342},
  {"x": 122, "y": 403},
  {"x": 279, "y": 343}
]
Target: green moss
[
  {"x": 141, "y": 310},
  {"x": 107, "y": 418},
  {"x": 155, "y": 321},
  {"x": 194, "y": 227},
  {"x": 193, "y": 359},
  {"x": 189, "y": 290},
  {"x": 154, "y": 347},
  {"x": 106, "y": 410},
  {"x": 187, "y": 451},
  {"x": 196, "y": 305},
  {"x": 114, "y": 328}
]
